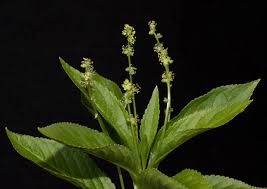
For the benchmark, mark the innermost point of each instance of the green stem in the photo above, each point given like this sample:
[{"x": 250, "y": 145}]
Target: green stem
[
  {"x": 168, "y": 106},
  {"x": 103, "y": 128},
  {"x": 120, "y": 176},
  {"x": 131, "y": 80},
  {"x": 134, "y": 137},
  {"x": 156, "y": 37},
  {"x": 134, "y": 127},
  {"x": 134, "y": 104}
]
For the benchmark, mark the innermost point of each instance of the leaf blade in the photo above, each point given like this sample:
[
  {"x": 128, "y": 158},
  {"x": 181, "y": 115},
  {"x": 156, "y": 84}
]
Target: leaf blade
[
  {"x": 154, "y": 179},
  {"x": 112, "y": 111},
  {"x": 107, "y": 103},
  {"x": 222, "y": 182},
  {"x": 50, "y": 155},
  {"x": 192, "y": 179},
  {"x": 75, "y": 76},
  {"x": 206, "y": 112},
  {"x": 92, "y": 142},
  {"x": 149, "y": 126}
]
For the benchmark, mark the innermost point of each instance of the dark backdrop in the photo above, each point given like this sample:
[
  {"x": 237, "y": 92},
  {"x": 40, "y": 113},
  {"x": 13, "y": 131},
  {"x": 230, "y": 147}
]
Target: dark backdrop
[{"x": 212, "y": 42}]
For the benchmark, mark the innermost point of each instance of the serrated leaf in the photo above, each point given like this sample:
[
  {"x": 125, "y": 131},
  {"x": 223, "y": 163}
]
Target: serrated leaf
[
  {"x": 112, "y": 111},
  {"x": 75, "y": 76},
  {"x": 209, "y": 111},
  {"x": 192, "y": 179},
  {"x": 91, "y": 141},
  {"x": 64, "y": 162},
  {"x": 149, "y": 126},
  {"x": 108, "y": 105},
  {"x": 76, "y": 135},
  {"x": 154, "y": 179},
  {"x": 220, "y": 96},
  {"x": 110, "y": 85},
  {"x": 221, "y": 182}
]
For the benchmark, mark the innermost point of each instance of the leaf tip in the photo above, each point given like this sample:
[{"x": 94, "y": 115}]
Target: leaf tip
[
  {"x": 10, "y": 134},
  {"x": 156, "y": 90},
  {"x": 39, "y": 129}
]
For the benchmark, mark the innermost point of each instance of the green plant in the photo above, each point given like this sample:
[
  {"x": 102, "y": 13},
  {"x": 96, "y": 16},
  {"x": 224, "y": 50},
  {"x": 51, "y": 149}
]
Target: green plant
[{"x": 137, "y": 147}]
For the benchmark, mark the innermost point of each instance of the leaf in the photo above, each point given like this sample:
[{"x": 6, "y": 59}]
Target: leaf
[
  {"x": 149, "y": 126},
  {"x": 76, "y": 135},
  {"x": 154, "y": 179},
  {"x": 112, "y": 111},
  {"x": 209, "y": 111},
  {"x": 110, "y": 85},
  {"x": 192, "y": 179},
  {"x": 64, "y": 162},
  {"x": 91, "y": 141},
  {"x": 106, "y": 96},
  {"x": 195, "y": 180},
  {"x": 221, "y": 182},
  {"x": 75, "y": 76}
]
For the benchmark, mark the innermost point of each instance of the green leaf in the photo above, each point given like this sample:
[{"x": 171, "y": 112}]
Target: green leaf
[
  {"x": 195, "y": 180},
  {"x": 91, "y": 141},
  {"x": 209, "y": 111},
  {"x": 64, "y": 162},
  {"x": 221, "y": 182},
  {"x": 149, "y": 126},
  {"x": 110, "y": 85},
  {"x": 76, "y": 135},
  {"x": 154, "y": 179},
  {"x": 105, "y": 96},
  {"x": 219, "y": 97},
  {"x": 112, "y": 111},
  {"x": 75, "y": 76},
  {"x": 192, "y": 179}
]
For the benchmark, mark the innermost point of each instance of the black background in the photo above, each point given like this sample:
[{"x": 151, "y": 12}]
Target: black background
[{"x": 213, "y": 43}]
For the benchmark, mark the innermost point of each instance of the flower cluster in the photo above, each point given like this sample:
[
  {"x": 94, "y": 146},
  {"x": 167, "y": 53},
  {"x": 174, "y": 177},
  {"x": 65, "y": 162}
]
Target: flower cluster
[
  {"x": 87, "y": 64},
  {"x": 162, "y": 54},
  {"x": 128, "y": 50},
  {"x": 152, "y": 29},
  {"x": 167, "y": 76},
  {"x": 129, "y": 33},
  {"x": 159, "y": 48},
  {"x": 130, "y": 90},
  {"x": 132, "y": 120}
]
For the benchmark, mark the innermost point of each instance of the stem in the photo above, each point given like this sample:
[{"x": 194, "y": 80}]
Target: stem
[
  {"x": 168, "y": 106},
  {"x": 120, "y": 176},
  {"x": 103, "y": 128},
  {"x": 156, "y": 37},
  {"x": 134, "y": 127},
  {"x": 101, "y": 123},
  {"x": 131, "y": 80},
  {"x": 134, "y": 104},
  {"x": 134, "y": 137},
  {"x": 135, "y": 187}
]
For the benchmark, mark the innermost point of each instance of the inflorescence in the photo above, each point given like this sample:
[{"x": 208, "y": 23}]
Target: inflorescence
[{"x": 87, "y": 64}]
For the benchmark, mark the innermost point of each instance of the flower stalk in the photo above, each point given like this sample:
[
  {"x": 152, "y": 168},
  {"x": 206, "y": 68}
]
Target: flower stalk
[
  {"x": 130, "y": 88},
  {"x": 167, "y": 76}
]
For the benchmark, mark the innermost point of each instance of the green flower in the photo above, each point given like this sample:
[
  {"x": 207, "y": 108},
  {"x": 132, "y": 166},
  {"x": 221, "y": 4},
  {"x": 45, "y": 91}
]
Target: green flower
[
  {"x": 128, "y": 50},
  {"x": 87, "y": 64},
  {"x": 152, "y": 27},
  {"x": 167, "y": 76},
  {"x": 129, "y": 32},
  {"x": 130, "y": 90}
]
